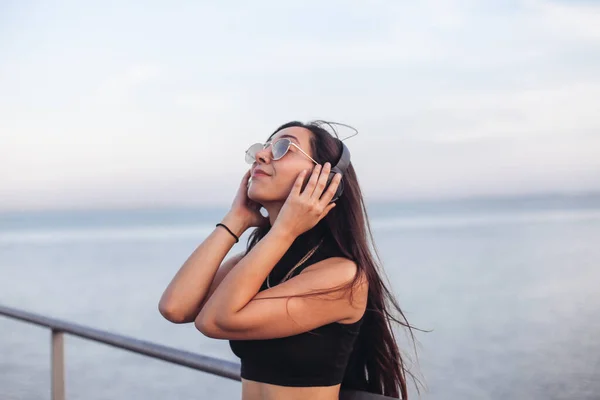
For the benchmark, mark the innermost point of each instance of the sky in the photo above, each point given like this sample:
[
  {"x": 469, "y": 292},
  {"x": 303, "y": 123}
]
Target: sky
[{"x": 145, "y": 103}]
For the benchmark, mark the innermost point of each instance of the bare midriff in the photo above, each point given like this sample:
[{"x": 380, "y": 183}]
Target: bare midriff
[{"x": 252, "y": 390}]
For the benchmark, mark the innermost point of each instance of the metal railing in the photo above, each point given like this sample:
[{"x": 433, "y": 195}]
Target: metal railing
[{"x": 215, "y": 366}]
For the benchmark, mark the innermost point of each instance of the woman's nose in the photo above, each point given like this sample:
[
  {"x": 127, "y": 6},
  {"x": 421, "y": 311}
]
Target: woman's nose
[{"x": 264, "y": 155}]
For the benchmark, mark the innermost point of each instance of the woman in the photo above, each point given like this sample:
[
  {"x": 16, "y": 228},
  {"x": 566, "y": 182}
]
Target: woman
[{"x": 304, "y": 306}]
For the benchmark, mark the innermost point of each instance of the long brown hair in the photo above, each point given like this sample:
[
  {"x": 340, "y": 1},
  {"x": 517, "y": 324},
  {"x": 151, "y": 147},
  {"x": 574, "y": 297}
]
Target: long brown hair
[{"x": 376, "y": 364}]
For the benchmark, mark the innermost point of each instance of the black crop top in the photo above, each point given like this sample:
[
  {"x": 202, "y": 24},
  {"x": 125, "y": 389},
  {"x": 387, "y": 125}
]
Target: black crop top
[{"x": 315, "y": 358}]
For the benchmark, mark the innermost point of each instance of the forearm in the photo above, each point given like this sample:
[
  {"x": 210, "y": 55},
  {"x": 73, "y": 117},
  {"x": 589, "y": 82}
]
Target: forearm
[
  {"x": 242, "y": 284},
  {"x": 190, "y": 285}
]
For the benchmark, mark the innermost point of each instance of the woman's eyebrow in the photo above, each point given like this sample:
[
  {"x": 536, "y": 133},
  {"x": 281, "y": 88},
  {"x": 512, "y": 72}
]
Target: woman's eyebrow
[{"x": 294, "y": 138}]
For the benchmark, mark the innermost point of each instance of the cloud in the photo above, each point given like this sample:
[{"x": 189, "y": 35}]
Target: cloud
[
  {"x": 451, "y": 97},
  {"x": 579, "y": 20},
  {"x": 567, "y": 110},
  {"x": 206, "y": 102},
  {"x": 119, "y": 89}
]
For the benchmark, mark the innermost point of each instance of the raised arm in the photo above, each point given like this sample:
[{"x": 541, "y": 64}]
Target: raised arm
[{"x": 201, "y": 274}]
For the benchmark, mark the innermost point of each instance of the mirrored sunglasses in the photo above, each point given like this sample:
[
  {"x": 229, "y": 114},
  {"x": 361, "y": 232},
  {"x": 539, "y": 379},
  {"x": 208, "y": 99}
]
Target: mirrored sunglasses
[{"x": 279, "y": 148}]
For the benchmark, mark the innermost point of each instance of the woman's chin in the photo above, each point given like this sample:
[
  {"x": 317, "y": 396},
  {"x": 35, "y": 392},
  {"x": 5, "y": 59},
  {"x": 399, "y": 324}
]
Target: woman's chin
[
  {"x": 254, "y": 194},
  {"x": 258, "y": 195}
]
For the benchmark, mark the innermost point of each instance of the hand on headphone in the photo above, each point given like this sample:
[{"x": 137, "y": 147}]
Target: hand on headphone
[
  {"x": 244, "y": 208},
  {"x": 303, "y": 209}
]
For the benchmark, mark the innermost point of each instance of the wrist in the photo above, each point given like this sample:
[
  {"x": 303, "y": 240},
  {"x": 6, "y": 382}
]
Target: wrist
[
  {"x": 236, "y": 224},
  {"x": 284, "y": 235}
]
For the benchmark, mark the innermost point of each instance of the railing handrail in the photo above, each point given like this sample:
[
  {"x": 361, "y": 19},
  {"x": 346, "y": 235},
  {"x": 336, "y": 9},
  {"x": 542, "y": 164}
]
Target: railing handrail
[
  {"x": 215, "y": 366},
  {"x": 223, "y": 368}
]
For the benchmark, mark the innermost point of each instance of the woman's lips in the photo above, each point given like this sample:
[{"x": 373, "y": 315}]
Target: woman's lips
[{"x": 257, "y": 174}]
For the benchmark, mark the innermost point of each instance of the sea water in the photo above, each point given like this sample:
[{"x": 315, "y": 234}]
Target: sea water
[{"x": 508, "y": 288}]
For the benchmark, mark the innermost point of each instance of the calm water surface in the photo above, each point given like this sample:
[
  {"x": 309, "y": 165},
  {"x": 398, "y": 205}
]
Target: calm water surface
[{"x": 509, "y": 289}]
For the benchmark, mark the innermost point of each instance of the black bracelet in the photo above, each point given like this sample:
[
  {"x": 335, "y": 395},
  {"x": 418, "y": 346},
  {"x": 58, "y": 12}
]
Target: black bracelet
[{"x": 237, "y": 239}]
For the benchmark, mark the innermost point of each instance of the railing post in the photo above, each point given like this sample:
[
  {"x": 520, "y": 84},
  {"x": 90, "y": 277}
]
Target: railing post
[{"x": 58, "y": 366}]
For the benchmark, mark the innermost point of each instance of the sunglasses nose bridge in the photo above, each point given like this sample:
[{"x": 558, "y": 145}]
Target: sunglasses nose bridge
[{"x": 263, "y": 153}]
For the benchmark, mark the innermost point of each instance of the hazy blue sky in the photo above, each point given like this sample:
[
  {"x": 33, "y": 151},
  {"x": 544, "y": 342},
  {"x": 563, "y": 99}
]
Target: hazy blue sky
[{"x": 121, "y": 103}]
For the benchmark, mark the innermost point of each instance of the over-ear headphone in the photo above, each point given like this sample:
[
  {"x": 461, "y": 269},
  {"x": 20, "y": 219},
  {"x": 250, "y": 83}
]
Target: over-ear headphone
[{"x": 341, "y": 167}]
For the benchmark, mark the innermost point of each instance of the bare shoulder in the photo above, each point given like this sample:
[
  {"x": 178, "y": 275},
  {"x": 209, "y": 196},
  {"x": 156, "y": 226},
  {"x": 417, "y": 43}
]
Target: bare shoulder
[
  {"x": 337, "y": 272},
  {"x": 343, "y": 268}
]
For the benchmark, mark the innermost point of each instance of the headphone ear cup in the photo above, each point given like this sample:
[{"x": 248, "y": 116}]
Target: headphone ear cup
[{"x": 340, "y": 188}]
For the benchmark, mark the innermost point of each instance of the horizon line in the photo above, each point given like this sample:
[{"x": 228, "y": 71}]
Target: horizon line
[{"x": 381, "y": 200}]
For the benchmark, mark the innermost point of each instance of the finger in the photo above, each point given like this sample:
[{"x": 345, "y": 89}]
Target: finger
[
  {"x": 330, "y": 192},
  {"x": 312, "y": 182},
  {"x": 321, "y": 182},
  {"x": 298, "y": 183},
  {"x": 246, "y": 177},
  {"x": 327, "y": 209}
]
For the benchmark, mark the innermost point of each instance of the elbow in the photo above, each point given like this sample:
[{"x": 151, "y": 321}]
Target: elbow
[
  {"x": 209, "y": 326},
  {"x": 172, "y": 314}
]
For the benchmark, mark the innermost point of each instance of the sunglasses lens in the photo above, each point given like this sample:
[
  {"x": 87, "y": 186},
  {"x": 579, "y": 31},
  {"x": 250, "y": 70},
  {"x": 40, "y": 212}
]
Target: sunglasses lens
[
  {"x": 279, "y": 148},
  {"x": 251, "y": 152}
]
